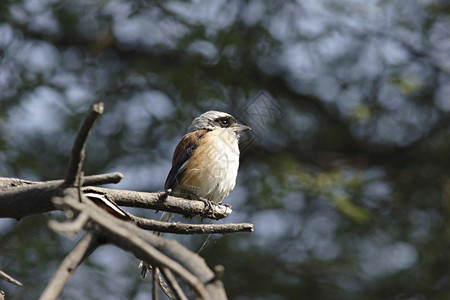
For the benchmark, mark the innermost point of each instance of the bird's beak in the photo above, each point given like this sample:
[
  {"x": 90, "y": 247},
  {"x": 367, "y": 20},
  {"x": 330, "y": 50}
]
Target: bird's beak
[{"x": 240, "y": 128}]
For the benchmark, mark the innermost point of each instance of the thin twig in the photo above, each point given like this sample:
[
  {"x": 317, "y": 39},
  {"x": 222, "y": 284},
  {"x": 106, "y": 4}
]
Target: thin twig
[
  {"x": 77, "y": 156},
  {"x": 155, "y": 289},
  {"x": 173, "y": 283},
  {"x": 169, "y": 254},
  {"x": 69, "y": 229},
  {"x": 81, "y": 250},
  {"x": 99, "y": 179},
  {"x": 9, "y": 278},
  {"x": 180, "y": 228},
  {"x": 145, "y": 251}
]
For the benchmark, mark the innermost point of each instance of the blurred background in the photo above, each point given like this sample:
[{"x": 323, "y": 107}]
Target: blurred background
[{"x": 345, "y": 175}]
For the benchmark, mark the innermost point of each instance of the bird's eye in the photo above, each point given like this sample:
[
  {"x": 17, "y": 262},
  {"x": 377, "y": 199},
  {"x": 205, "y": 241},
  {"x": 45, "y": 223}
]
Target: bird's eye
[{"x": 224, "y": 122}]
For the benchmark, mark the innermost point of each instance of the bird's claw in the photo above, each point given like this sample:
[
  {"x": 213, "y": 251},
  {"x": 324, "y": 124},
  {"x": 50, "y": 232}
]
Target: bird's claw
[
  {"x": 163, "y": 196},
  {"x": 208, "y": 204}
]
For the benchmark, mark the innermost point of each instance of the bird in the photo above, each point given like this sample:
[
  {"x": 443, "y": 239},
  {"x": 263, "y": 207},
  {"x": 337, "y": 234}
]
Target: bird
[{"x": 205, "y": 162}]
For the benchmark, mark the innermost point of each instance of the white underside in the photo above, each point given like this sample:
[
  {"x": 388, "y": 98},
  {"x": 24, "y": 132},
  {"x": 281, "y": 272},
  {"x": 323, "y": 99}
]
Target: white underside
[{"x": 215, "y": 176}]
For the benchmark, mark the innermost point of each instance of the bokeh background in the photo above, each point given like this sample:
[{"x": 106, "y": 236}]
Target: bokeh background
[{"x": 345, "y": 175}]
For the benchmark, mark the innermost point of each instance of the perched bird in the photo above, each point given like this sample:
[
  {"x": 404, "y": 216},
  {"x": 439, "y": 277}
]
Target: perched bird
[{"x": 206, "y": 160}]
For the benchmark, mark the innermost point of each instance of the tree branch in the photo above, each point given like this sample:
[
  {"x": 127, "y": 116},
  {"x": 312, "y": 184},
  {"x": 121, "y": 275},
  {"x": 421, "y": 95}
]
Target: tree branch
[
  {"x": 160, "y": 201},
  {"x": 77, "y": 156},
  {"x": 19, "y": 198},
  {"x": 70, "y": 229},
  {"x": 81, "y": 250},
  {"x": 149, "y": 247},
  {"x": 155, "y": 290},
  {"x": 9, "y": 278},
  {"x": 180, "y": 228},
  {"x": 100, "y": 179},
  {"x": 29, "y": 199}
]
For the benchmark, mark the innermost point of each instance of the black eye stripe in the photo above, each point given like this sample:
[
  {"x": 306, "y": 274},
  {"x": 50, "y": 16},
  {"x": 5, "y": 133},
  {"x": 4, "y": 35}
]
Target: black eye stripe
[{"x": 224, "y": 121}]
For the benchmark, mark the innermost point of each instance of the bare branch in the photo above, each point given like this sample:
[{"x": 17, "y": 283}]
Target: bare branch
[
  {"x": 181, "y": 228},
  {"x": 22, "y": 201},
  {"x": 9, "y": 278},
  {"x": 116, "y": 177},
  {"x": 155, "y": 285},
  {"x": 69, "y": 229},
  {"x": 160, "y": 201},
  {"x": 151, "y": 248},
  {"x": 101, "y": 179},
  {"x": 35, "y": 197},
  {"x": 6, "y": 183},
  {"x": 77, "y": 156},
  {"x": 20, "y": 198},
  {"x": 81, "y": 250}
]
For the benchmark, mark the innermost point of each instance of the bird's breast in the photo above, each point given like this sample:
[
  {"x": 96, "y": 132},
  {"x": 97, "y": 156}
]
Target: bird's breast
[{"x": 212, "y": 169}]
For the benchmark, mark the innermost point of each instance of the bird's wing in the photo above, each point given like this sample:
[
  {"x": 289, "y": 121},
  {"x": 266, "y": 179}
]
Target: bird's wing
[{"x": 182, "y": 153}]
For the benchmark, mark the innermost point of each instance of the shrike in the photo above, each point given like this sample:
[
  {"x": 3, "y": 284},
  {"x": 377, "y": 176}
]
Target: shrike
[{"x": 206, "y": 160}]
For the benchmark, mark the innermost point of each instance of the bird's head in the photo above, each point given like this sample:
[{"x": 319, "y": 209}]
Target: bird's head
[{"x": 212, "y": 119}]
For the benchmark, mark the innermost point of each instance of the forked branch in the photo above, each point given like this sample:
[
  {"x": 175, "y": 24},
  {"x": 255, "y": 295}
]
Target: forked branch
[
  {"x": 81, "y": 250},
  {"x": 151, "y": 248},
  {"x": 20, "y": 198}
]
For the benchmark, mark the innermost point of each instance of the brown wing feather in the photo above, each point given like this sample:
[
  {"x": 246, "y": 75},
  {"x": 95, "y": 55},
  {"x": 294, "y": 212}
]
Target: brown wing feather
[{"x": 182, "y": 153}]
